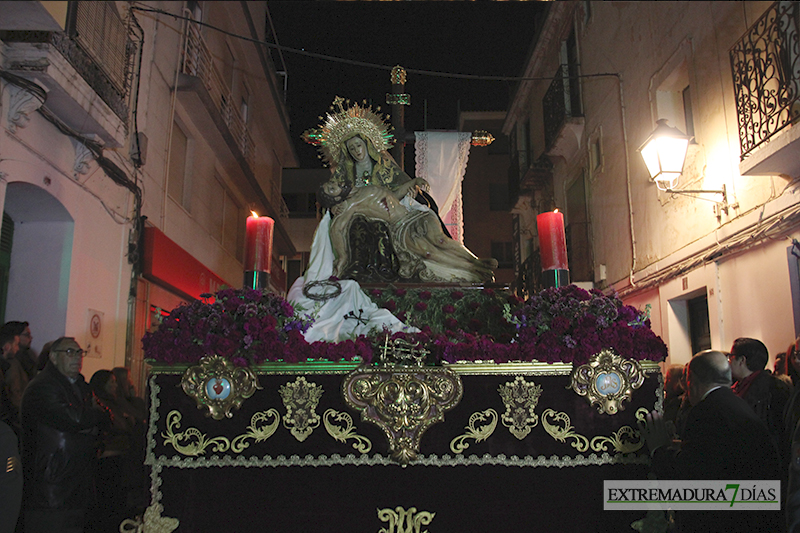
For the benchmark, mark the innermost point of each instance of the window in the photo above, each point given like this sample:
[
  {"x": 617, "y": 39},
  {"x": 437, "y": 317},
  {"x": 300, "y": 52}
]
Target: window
[
  {"x": 596, "y": 152},
  {"x": 671, "y": 95},
  {"x": 234, "y": 218},
  {"x": 504, "y": 253},
  {"x": 699, "y": 329},
  {"x": 178, "y": 152},
  {"x": 569, "y": 57},
  {"x": 196, "y": 9},
  {"x": 301, "y": 204},
  {"x": 215, "y": 215},
  {"x": 101, "y": 33},
  {"x": 579, "y": 246},
  {"x": 687, "y": 110}
]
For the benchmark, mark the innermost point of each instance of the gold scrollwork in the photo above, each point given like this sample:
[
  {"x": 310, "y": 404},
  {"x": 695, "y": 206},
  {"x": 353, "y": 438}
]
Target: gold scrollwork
[
  {"x": 520, "y": 398},
  {"x": 196, "y": 442},
  {"x": 150, "y": 522},
  {"x": 607, "y": 381},
  {"x": 342, "y": 434},
  {"x": 300, "y": 399},
  {"x": 219, "y": 386},
  {"x": 562, "y": 429},
  {"x": 402, "y": 402},
  {"x": 258, "y": 430},
  {"x": 481, "y": 426},
  {"x": 624, "y": 440},
  {"x": 193, "y": 443},
  {"x": 402, "y": 521}
]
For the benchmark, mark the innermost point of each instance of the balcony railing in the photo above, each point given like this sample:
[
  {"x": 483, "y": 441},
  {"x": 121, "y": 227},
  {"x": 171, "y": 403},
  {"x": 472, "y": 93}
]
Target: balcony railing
[
  {"x": 766, "y": 75},
  {"x": 110, "y": 82},
  {"x": 526, "y": 175},
  {"x": 278, "y": 203},
  {"x": 198, "y": 62},
  {"x": 529, "y": 280},
  {"x": 561, "y": 102}
]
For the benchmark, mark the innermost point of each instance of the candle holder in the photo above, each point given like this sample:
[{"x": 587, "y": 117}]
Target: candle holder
[
  {"x": 256, "y": 279},
  {"x": 555, "y": 277}
]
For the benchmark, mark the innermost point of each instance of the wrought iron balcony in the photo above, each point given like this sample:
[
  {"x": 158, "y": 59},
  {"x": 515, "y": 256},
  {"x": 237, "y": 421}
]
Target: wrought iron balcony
[
  {"x": 766, "y": 76},
  {"x": 529, "y": 276},
  {"x": 526, "y": 175},
  {"x": 198, "y": 62},
  {"x": 94, "y": 54},
  {"x": 561, "y": 106}
]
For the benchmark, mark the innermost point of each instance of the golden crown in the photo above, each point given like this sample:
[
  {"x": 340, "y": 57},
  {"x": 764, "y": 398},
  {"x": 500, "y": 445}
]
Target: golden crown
[{"x": 340, "y": 125}]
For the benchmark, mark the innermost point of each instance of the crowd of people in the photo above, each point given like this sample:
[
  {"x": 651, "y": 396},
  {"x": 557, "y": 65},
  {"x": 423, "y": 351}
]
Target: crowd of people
[
  {"x": 727, "y": 416},
  {"x": 73, "y": 451}
]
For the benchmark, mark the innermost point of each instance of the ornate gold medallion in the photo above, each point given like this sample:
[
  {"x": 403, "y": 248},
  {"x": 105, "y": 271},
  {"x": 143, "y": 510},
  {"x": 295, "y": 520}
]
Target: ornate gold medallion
[
  {"x": 219, "y": 386},
  {"x": 607, "y": 381},
  {"x": 520, "y": 398},
  {"x": 300, "y": 399},
  {"x": 402, "y": 521},
  {"x": 402, "y": 402}
]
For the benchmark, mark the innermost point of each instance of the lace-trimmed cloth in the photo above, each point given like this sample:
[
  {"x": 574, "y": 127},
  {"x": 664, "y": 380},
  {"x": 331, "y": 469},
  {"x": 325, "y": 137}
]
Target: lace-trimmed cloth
[{"x": 441, "y": 159}]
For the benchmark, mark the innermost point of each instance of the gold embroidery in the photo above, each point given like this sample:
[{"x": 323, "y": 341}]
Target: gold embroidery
[
  {"x": 481, "y": 426},
  {"x": 402, "y": 521},
  {"x": 300, "y": 399},
  {"x": 564, "y": 430},
  {"x": 607, "y": 381},
  {"x": 342, "y": 434},
  {"x": 197, "y": 442},
  {"x": 625, "y": 440},
  {"x": 520, "y": 399},
  {"x": 258, "y": 430},
  {"x": 350, "y": 459},
  {"x": 151, "y": 522}
]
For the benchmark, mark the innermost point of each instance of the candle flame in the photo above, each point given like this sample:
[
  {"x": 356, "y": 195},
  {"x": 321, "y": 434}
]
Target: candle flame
[
  {"x": 255, "y": 215},
  {"x": 555, "y": 210}
]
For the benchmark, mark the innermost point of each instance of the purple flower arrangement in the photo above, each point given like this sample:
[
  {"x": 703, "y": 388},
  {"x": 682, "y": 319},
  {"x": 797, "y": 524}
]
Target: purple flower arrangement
[
  {"x": 247, "y": 327},
  {"x": 571, "y": 324},
  {"x": 566, "y": 324}
]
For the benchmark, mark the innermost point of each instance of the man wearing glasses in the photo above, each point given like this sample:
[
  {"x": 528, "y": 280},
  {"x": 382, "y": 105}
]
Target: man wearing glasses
[{"x": 60, "y": 428}]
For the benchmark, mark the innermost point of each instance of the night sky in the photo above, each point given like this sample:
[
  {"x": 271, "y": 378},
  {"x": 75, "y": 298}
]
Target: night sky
[{"x": 477, "y": 38}]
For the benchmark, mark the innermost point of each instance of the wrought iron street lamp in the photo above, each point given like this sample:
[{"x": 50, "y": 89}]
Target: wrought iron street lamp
[{"x": 664, "y": 153}]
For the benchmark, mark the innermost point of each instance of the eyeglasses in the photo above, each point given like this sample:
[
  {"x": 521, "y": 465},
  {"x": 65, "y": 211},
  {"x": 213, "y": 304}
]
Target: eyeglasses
[{"x": 72, "y": 352}]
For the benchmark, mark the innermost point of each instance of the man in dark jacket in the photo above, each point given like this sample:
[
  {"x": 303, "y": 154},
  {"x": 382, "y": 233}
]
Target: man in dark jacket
[
  {"x": 762, "y": 391},
  {"x": 60, "y": 437},
  {"x": 723, "y": 440}
]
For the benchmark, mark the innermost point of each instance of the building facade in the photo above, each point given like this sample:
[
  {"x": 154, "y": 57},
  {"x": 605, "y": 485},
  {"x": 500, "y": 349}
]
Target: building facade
[
  {"x": 715, "y": 257},
  {"x": 136, "y": 141},
  {"x": 484, "y": 194}
]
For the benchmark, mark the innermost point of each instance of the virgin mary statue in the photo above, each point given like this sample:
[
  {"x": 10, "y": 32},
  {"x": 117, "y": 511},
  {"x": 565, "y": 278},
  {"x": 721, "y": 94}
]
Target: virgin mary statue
[{"x": 390, "y": 236}]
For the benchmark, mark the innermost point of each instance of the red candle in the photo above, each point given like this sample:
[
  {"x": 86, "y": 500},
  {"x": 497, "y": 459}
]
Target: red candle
[
  {"x": 258, "y": 244},
  {"x": 552, "y": 240}
]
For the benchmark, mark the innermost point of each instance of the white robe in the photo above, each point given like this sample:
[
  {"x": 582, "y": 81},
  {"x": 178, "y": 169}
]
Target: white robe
[{"x": 330, "y": 323}]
